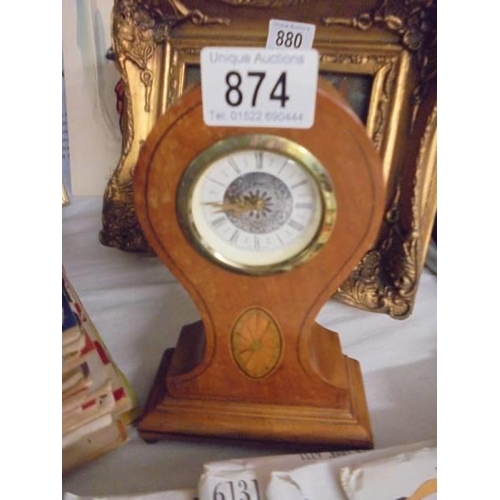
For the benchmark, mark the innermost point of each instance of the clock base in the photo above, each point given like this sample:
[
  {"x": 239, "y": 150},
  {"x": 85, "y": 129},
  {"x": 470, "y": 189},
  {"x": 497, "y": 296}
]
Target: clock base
[{"x": 166, "y": 417}]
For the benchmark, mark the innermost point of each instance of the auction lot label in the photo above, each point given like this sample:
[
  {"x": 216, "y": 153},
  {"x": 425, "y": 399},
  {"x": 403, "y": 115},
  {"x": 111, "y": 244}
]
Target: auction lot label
[
  {"x": 290, "y": 35},
  {"x": 252, "y": 87}
]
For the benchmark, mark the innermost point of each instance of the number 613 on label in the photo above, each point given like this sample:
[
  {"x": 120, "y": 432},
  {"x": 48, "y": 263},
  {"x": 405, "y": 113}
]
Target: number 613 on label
[{"x": 237, "y": 490}]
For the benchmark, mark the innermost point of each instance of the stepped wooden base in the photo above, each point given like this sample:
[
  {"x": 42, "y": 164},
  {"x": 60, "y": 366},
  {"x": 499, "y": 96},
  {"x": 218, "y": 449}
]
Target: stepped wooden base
[{"x": 165, "y": 416}]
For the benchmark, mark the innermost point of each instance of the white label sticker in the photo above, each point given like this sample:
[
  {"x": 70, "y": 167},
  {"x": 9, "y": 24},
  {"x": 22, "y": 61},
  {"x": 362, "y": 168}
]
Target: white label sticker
[
  {"x": 249, "y": 87},
  {"x": 290, "y": 35}
]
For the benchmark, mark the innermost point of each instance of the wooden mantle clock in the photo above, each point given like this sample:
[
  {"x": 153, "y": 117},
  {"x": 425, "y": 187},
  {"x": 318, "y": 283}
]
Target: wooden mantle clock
[{"x": 261, "y": 226}]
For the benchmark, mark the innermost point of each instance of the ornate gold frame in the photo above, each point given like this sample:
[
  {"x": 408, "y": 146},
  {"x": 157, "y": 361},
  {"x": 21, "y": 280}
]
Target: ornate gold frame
[{"x": 156, "y": 44}]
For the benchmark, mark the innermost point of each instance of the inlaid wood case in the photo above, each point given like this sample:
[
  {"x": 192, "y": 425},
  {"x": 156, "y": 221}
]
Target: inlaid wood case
[{"x": 257, "y": 365}]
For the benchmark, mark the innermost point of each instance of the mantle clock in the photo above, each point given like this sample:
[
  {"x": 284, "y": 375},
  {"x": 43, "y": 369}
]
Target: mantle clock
[{"x": 261, "y": 226}]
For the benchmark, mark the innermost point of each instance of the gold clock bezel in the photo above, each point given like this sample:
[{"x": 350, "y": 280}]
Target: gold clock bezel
[{"x": 263, "y": 142}]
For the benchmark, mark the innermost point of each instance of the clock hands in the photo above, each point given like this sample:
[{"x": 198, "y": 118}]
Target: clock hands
[
  {"x": 257, "y": 202},
  {"x": 236, "y": 206}
]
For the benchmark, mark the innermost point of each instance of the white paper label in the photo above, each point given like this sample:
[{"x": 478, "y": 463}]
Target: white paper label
[
  {"x": 290, "y": 35},
  {"x": 251, "y": 87}
]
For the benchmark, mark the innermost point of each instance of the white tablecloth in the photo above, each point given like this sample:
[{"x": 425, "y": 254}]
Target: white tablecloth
[{"x": 139, "y": 308}]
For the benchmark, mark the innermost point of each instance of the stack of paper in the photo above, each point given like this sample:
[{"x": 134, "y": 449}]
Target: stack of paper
[
  {"x": 97, "y": 401},
  {"x": 405, "y": 472}
]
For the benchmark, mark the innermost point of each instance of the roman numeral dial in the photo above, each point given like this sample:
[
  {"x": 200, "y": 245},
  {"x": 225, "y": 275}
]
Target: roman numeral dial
[{"x": 257, "y": 207}]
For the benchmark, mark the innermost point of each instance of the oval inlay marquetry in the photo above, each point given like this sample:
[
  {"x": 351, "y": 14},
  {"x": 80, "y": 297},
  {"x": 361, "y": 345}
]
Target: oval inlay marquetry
[{"x": 256, "y": 343}]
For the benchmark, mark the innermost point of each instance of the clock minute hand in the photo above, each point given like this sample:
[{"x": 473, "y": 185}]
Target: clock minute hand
[{"x": 237, "y": 206}]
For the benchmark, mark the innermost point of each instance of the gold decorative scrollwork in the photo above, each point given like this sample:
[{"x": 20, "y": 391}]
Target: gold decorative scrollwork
[
  {"x": 386, "y": 279},
  {"x": 415, "y": 22},
  {"x": 139, "y": 28}
]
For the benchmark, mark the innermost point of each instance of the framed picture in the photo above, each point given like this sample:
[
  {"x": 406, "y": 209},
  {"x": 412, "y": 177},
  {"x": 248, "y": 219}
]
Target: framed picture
[{"x": 380, "y": 55}]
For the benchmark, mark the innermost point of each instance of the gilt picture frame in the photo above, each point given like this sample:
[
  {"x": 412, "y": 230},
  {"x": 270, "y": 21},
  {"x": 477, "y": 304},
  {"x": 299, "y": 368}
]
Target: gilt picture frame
[{"x": 381, "y": 56}]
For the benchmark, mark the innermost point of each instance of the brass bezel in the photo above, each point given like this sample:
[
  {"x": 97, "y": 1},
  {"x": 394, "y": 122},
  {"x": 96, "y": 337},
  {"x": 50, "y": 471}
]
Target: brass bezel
[{"x": 262, "y": 142}]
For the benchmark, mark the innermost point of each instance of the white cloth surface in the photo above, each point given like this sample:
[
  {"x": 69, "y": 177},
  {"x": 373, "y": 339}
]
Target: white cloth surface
[{"x": 139, "y": 309}]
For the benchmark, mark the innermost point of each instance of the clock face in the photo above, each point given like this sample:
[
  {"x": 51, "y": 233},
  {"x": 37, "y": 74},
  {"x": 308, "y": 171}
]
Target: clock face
[{"x": 257, "y": 203}]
